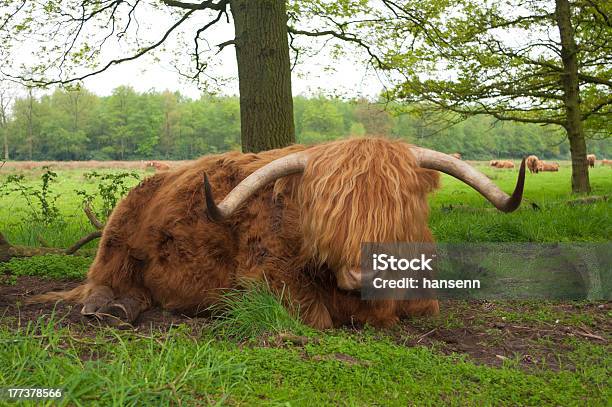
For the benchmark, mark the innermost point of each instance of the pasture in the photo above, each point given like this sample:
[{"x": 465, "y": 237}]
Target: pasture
[{"x": 254, "y": 352}]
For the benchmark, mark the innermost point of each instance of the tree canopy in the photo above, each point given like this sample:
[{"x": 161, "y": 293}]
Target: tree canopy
[
  {"x": 546, "y": 62},
  {"x": 75, "y": 124}
]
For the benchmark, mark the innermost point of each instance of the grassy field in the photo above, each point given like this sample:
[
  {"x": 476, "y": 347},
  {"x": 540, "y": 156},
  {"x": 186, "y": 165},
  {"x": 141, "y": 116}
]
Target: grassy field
[{"x": 474, "y": 353}]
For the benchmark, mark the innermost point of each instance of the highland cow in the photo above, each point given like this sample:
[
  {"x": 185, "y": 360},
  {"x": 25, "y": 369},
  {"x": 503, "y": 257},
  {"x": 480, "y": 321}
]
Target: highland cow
[
  {"x": 549, "y": 167},
  {"x": 591, "y": 160},
  {"x": 294, "y": 218},
  {"x": 606, "y": 162},
  {"x": 503, "y": 164},
  {"x": 532, "y": 164},
  {"x": 159, "y": 166}
]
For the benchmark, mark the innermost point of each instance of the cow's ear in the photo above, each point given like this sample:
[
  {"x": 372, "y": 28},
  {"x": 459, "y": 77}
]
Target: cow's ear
[{"x": 430, "y": 179}]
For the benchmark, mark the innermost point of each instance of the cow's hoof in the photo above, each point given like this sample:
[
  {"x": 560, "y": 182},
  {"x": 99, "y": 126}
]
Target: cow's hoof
[
  {"x": 106, "y": 317},
  {"x": 89, "y": 310}
]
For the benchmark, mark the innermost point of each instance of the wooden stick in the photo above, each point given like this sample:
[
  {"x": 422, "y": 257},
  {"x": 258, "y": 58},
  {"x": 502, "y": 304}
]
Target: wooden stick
[
  {"x": 92, "y": 217},
  {"x": 83, "y": 241}
]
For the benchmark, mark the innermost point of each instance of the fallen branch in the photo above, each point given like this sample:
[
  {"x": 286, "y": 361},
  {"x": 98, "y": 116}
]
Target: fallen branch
[
  {"x": 92, "y": 217},
  {"x": 83, "y": 241},
  {"x": 8, "y": 251}
]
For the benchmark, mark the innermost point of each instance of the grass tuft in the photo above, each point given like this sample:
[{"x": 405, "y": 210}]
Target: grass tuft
[{"x": 252, "y": 312}]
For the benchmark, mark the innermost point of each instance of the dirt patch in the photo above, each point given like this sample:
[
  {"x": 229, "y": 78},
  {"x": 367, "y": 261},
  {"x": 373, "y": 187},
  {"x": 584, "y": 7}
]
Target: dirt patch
[
  {"x": 14, "y": 312},
  {"x": 492, "y": 333}
]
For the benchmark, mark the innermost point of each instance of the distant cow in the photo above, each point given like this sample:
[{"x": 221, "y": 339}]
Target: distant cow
[
  {"x": 606, "y": 162},
  {"x": 591, "y": 160},
  {"x": 493, "y": 163},
  {"x": 551, "y": 167},
  {"x": 532, "y": 163},
  {"x": 159, "y": 166},
  {"x": 456, "y": 155},
  {"x": 503, "y": 164}
]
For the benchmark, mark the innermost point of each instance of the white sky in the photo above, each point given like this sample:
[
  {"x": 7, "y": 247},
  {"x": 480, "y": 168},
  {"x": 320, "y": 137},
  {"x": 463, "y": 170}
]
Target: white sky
[
  {"x": 144, "y": 74},
  {"x": 312, "y": 75}
]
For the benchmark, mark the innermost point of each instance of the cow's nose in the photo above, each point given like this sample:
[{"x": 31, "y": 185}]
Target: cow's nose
[{"x": 350, "y": 278}]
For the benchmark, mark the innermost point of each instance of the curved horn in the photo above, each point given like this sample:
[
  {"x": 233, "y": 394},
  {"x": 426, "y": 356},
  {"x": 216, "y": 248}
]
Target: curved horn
[
  {"x": 464, "y": 172},
  {"x": 281, "y": 167}
]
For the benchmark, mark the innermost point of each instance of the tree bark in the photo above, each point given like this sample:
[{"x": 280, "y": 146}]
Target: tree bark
[
  {"x": 571, "y": 98},
  {"x": 4, "y": 102},
  {"x": 264, "y": 74},
  {"x": 30, "y": 124},
  {"x": 6, "y": 146}
]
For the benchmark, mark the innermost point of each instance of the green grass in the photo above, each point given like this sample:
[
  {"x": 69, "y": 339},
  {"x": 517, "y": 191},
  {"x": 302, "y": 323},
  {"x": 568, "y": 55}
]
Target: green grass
[
  {"x": 472, "y": 218},
  {"x": 251, "y": 313},
  {"x": 129, "y": 368},
  {"x": 237, "y": 359},
  {"x": 53, "y": 266}
]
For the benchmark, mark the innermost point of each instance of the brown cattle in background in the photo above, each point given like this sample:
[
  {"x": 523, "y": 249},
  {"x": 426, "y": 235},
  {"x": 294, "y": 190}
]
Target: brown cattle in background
[
  {"x": 293, "y": 218},
  {"x": 503, "y": 164},
  {"x": 159, "y": 166},
  {"x": 591, "y": 160},
  {"x": 532, "y": 163},
  {"x": 606, "y": 162},
  {"x": 550, "y": 167}
]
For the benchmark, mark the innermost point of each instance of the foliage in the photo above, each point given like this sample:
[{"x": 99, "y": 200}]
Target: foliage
[
  {"x": 41, "y": 201},
  {"x": 111, "y": 187},
  {"x": 132, "y": 125},
  {"x": 53, "y": 266},
  {"x": 501, "y": 59}
]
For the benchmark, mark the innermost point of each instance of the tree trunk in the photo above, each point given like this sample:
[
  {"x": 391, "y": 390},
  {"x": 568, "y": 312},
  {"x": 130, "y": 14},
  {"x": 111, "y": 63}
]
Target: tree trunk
[
  {"x": 4, "y": 125},
  {"x": 30, "y": 124},
  {"x": 264, "y": 74},
  {"x": 571, "y": 98},
  {"x": 6, "y": 146}
]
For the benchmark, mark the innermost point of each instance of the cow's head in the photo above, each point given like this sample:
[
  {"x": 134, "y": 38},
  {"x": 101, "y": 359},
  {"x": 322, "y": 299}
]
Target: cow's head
[{"x": 362, "y": 190}]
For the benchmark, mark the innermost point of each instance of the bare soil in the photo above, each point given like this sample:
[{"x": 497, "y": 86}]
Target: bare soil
[
  {"x": 13, "y": 311},
  {"x": 487, "y": 332}
]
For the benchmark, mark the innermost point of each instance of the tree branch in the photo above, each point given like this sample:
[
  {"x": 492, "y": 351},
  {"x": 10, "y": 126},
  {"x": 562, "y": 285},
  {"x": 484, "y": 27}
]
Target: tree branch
[
  {"x": 225, "y": 44},
  {"x": 92, "y": 217},
  {"x": 143, "y": 51},
  {"x": 205, "y": 5},
  {"x": 83, "y": 241},
  {"x": 342, "y": 36}
]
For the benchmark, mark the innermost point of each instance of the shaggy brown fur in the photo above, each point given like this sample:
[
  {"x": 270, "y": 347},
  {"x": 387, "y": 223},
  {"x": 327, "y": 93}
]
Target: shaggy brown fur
[
  {"x": 532, "y": 163},
  {"x": 591, "y": 160},
  {"x": 549, "y": 167},
  {"x": 159, "y": 247}
]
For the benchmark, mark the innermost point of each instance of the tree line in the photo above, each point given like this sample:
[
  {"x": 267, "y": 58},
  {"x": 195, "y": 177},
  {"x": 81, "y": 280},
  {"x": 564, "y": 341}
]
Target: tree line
[{"x": 75, "y": 124}]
